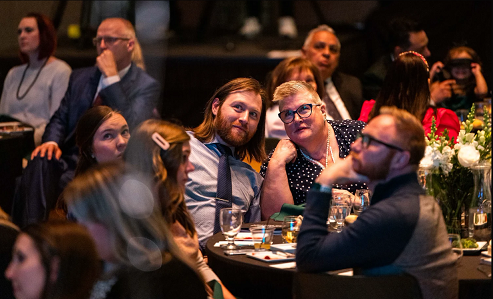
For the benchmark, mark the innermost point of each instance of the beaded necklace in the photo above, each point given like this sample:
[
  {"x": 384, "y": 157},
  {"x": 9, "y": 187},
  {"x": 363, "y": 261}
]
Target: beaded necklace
[
  {"x": 326, "y": 154},
  {"x": 22, "y": 79}
]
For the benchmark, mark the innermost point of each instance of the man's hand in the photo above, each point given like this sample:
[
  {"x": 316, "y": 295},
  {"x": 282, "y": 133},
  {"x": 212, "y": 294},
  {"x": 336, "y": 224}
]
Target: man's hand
[
  {"x": 106, "y": 64},
  {"x": 441, "y": 91},
  {"x": 285, "y": 152},
  {"x": 436, "y": 68},
  {"x": 340, "y": 172},
  {"x": 48, "y": 149}
]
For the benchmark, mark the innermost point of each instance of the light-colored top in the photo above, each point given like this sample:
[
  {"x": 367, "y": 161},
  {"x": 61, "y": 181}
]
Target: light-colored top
[
  {"x": 42, "y": 100},
  {"x": 274, "y": 127},
  {"x": 336, "y": 99},
  {"x": 201, "y": 188}
]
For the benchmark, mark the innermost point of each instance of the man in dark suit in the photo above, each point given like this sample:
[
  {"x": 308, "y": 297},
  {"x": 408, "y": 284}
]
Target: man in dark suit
[
  {"x": 115, "y": 81},
  {"x": 344, "y": 92},
  {"x": 404, "y": 35}
]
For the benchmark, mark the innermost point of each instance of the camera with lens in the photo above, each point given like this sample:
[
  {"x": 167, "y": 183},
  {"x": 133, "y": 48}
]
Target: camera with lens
[{"x": 456, "y": 69}]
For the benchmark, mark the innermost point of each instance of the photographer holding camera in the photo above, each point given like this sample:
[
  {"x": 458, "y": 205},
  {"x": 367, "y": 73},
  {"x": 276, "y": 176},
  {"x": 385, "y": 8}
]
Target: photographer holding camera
[{"x": 458, "y": 82}]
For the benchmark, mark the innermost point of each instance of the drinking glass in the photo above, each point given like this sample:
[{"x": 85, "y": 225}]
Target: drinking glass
[
  {"x": 339, "y": 213},
  {"x": 230, "y": 220},
  {"x": 290, "y": 228},
  {"x": 454, "y": 240},
  {"x": 361, "y": 200},
  {"x": 343, "y": 198},
  {"x": 262, "y": 236}
]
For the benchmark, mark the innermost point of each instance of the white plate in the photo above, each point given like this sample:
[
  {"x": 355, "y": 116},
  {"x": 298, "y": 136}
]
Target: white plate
[
  {"x": 246, "y": 236},
  {"x": 480, "y": 245},
  {"x": 269, "y": 257},
  {"x": 286, "y": 247},
  {"x": 485, "y": 253}
]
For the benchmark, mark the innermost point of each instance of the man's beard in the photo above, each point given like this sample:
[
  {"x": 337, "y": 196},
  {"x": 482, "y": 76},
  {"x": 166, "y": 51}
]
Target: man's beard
[
  {"x": 224, "y": 130},
  {"x": 373, "y": 172}
]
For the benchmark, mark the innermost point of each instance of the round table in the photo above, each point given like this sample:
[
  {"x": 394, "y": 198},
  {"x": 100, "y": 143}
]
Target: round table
[{"x": 250, "y": 278}]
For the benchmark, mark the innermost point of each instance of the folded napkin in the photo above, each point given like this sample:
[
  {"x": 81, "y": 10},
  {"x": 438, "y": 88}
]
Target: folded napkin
[{"x": 288, "y": 210}]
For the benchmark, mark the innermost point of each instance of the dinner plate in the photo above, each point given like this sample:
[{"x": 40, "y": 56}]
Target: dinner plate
[
  {"x": 485, "y": 253},
  {"x": 269, "y": 257},
  {"x": 286, "y": 247},
  {"x": 243, "y": 236}
]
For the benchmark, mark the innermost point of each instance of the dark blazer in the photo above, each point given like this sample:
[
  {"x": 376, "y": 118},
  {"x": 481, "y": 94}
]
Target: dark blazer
[
  {"x": 135, "y": 96},
  {"x": 351, "y": 92}
]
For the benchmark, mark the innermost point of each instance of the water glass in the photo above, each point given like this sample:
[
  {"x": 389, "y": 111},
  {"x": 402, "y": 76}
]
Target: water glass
[
  {"x": 290, "y": 228},
  {"x": 456, "y": 244},
  {"x": 361, "y": 200},
  {"x": 338, "y": 214},
  {"x": 262, "y": 236},
  {"x": 230, "y": 220}
]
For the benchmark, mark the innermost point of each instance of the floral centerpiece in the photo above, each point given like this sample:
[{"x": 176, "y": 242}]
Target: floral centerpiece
[{"x": 449, "y": 167}]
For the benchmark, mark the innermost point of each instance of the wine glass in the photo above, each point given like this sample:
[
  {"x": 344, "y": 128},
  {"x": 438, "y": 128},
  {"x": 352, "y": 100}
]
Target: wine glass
[
  {"x": 454, "y": 240},
  {"x": 290, "y": 228},
  {"x": 361, "y": 200},
  {"x": 230, "y": 220}
]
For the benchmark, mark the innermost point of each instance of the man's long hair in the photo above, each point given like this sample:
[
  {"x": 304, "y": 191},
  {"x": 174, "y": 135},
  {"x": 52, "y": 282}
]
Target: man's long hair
[{"x": 255, "y": 147}]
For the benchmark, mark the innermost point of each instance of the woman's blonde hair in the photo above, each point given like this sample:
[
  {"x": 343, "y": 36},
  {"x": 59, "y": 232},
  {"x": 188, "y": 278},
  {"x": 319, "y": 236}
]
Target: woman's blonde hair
[{"x": 123, "y": 201}]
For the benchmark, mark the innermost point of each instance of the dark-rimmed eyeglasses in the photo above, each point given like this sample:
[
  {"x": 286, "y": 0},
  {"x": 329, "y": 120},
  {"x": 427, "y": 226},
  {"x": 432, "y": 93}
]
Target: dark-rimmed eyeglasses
[
  {"x": 108, "y": 40},
  {"x": 367, "y": 139},
  {"x": 303, "y": 111}
]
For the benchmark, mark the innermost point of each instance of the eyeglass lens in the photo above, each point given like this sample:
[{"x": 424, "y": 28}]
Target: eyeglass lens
[{"x": 303, "y": 111}]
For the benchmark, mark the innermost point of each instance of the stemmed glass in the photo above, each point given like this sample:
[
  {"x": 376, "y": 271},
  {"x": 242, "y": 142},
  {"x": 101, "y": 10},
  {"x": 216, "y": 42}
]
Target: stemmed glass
[
  {"x": 454, "y": 240},
  {"x": 230, "y": 220},
  {"x": 361, "y": 200}
]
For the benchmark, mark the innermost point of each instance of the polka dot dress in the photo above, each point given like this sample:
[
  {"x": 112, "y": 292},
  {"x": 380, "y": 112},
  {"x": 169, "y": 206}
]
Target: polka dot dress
[{"x": 302, "y": 173}]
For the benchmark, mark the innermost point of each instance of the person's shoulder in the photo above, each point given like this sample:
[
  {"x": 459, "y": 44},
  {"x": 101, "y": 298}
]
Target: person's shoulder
[
  {"x": 345, "y": 77},
  {"x": 60, "y": 64},
  {"x": 84, "y": 71},
  {"x": 141, "y": 75},
  {"x": 347, "y": 124}
]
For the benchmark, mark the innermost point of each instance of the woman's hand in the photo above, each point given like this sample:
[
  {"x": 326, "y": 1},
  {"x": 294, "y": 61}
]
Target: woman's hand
[
  {"x": 476, "y": 69},
  {"x": 285, "y": 153}
]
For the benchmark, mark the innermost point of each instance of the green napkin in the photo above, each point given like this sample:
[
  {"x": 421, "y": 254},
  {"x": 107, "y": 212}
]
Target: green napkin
[{"x": 288, "y": 210}]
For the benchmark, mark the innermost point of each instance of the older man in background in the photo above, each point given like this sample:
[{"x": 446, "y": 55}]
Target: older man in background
[{"x": 345, "y": 95}]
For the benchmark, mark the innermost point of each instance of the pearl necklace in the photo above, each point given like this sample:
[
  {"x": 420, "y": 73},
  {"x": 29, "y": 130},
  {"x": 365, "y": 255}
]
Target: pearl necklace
[{"x": 326, "y": 154}]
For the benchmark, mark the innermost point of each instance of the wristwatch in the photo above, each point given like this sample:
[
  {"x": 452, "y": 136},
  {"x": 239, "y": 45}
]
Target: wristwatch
[{"x": 321, "y": 188}]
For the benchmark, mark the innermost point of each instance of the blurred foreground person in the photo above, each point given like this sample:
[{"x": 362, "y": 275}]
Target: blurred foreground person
[
  {"x": 161, "y": 149},
  {"x": 402, "y": 231},
  {"x": 53, "y": 260},
  {"x": 141, "y": 260}
]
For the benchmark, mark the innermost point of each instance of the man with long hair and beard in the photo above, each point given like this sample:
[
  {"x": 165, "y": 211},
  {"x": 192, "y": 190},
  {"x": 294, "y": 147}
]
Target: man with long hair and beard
[{"x": 234, "y": 125}]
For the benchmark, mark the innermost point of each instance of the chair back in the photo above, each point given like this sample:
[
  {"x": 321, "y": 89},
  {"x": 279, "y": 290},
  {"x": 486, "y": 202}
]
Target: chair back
[{"x": 313, "y": 286}]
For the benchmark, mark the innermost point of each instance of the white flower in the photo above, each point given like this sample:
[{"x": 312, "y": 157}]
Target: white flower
[{"x": 468, "y": 155}]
